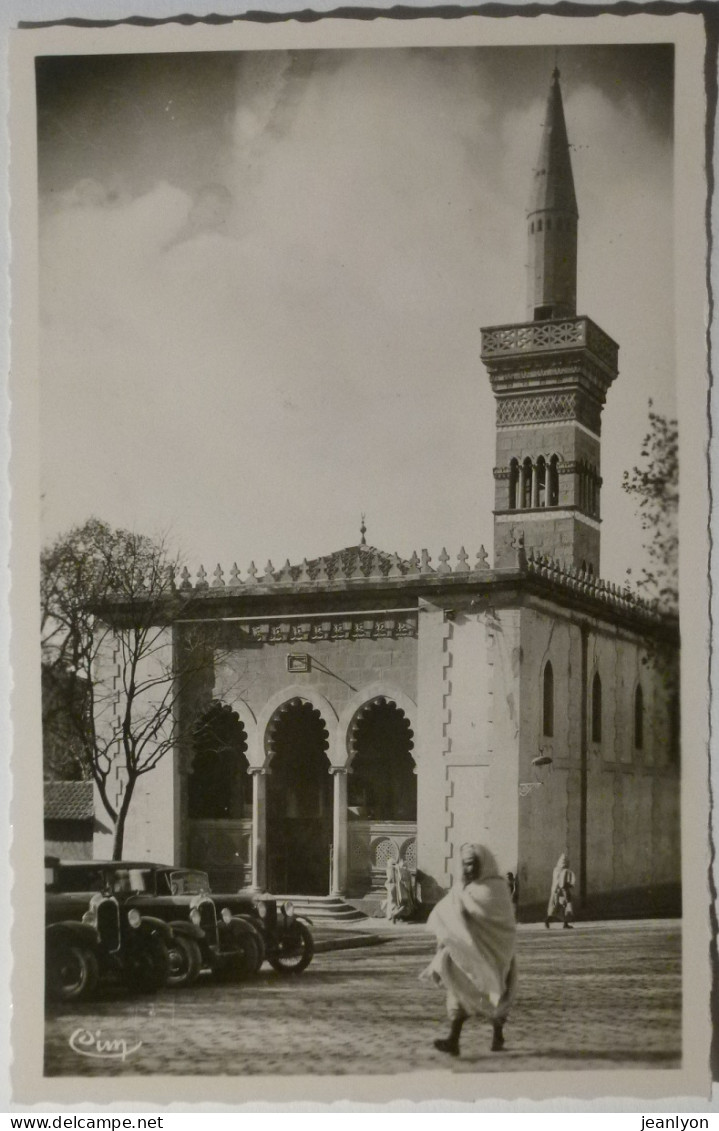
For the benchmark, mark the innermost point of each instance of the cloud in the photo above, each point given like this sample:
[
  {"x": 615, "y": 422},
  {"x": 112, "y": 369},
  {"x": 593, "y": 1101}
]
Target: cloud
[{"x": 302, "y": 338}]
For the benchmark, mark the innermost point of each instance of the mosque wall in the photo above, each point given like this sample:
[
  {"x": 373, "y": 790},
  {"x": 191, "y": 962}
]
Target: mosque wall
[{"x": 630, "y": 845}]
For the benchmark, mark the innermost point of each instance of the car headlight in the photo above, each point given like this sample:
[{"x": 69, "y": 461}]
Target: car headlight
[
  {"x": 226, "y": 915},
  {"x": 261, "y": 910},
  {"x": 195, "y": 916},
  {"x": 289, "y": 908},
  {"x": 134, "y": 918}
]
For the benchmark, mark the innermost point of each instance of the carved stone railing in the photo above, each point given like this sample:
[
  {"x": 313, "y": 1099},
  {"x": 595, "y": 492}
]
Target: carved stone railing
[
  {"x": 224, "y": 849},
  {"x": 555, "y": 334},
  {"x": 371, "y": 567},
  {"x": 574, "y": 580},
  {"x": 372, "y": 844}
]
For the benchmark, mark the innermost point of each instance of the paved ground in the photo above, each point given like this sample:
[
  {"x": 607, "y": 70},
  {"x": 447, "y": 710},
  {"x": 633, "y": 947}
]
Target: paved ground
[{"x": 602, "y": 995}]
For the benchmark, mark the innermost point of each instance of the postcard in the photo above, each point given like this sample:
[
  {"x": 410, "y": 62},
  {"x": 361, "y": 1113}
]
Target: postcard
[{"x": 357, "y": 366}]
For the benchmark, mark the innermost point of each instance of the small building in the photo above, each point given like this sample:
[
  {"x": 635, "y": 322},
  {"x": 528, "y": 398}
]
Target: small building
[
  {"x": 362, "y": 708},
  {"x": 69, "y": 818}
]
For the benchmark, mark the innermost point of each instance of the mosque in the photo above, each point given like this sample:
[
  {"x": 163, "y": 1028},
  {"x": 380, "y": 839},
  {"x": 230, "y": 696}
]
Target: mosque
[{"x": 360, "y": 708}]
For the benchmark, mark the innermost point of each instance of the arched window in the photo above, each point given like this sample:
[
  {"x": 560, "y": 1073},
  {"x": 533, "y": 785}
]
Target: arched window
[
  {"x": 531, "y": 228},
  {"x": 541, "y": 482},
  {"x": 596, "y": 708},
  {"x": 553, "y": 482},
  {"x": 539, "y": 225},
  {"x": 219, "y": 786},
  {"x": 513, "y": 483},
  {"x": 638, "y": 718},
  {"x": 526, "y": 500},
  {"x": 548, "y": 702}
]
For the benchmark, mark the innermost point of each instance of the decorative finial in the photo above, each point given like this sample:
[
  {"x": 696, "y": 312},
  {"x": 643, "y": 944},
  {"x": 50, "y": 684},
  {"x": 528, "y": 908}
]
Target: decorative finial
[{"x": 363, "y": 531}]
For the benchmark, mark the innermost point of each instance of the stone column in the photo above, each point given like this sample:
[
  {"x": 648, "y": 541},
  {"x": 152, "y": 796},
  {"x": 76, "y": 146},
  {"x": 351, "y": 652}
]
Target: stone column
[
  {"x": 339, "y": 831},
  {"x": 259, "y": 827},
  {"x": 535, "y": 485}
]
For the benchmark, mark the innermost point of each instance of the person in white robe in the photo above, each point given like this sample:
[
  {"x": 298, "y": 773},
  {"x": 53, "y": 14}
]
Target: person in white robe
[
  {"x": 560, "y": 904},
  {"x": 400, "y": 901},
  {"x": 476, "y": 930}
]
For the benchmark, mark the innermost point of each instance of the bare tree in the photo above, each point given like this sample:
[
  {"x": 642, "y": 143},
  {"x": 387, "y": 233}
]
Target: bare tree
[
  {"x": 655, "y": 484},
  {"x": 108, "y": 604}
]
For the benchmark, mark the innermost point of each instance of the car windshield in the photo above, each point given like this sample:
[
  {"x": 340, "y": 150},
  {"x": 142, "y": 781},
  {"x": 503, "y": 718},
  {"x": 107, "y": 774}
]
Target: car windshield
[
  {"x": 189, "y": 883},
  {"x": 132, "y": 880}
]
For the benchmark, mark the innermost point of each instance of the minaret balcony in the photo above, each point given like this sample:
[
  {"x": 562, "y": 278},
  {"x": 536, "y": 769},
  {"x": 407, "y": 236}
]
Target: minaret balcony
[{"x": 556, "y": 335}]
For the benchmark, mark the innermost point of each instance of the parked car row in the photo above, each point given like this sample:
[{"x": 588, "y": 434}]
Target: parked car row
[{"x": 149, "y": 925}]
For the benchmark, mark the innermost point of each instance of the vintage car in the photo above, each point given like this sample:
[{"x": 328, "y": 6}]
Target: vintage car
[
  {"x": 232, "y": 941},
  {"x": 90, "y": 936}
]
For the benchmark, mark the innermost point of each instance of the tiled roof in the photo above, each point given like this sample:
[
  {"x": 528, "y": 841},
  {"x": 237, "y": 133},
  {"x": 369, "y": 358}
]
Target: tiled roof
[{"x": 69, "y": 801}]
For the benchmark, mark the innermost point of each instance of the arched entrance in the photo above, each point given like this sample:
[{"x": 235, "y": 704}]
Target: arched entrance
[
  {"x": 219, "y": 798},
  {"x": 382, "y": 793},
  {"x": 383, "y": 785},
  {"x": 299, "y": 801}
]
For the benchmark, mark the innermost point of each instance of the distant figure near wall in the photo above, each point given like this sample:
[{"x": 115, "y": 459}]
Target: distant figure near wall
[
  {"x": 560, "y": 904},
  {"x": 400, "y": 902}
]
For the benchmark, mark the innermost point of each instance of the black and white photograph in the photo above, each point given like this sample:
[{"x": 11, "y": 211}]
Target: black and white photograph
[{"x": 360, "y": 404}]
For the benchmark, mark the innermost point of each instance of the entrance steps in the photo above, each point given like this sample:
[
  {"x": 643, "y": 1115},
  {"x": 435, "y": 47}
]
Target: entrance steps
[{"x": 324, "y": 908}]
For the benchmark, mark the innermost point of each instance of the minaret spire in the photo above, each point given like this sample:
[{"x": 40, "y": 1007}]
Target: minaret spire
[{"x": 552, "y": 220}]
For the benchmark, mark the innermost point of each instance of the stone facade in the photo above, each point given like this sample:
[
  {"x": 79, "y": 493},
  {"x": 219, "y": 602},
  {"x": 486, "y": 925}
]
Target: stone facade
[{"x": 459, "y": 659}]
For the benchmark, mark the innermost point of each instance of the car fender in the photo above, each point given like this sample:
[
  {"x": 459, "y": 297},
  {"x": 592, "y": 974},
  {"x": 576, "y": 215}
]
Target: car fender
[
  {"x": 150, "y": 924},
  {"x": 238, "y": 925},
  {"x": 189, "y": 930},
  {"x": 256, "y": 924},
  {"x": 284, "y": 924},
  {"x": 72, "y": 932}
]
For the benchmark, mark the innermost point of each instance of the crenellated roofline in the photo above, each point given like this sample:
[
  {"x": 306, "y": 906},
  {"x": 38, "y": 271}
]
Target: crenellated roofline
[{"x": 392, "y": 585}]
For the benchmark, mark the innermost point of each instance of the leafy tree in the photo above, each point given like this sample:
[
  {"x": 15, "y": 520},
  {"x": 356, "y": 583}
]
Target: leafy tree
[
  {"x": 654, "y": 483},
  {"x": 112, "y": 685}
]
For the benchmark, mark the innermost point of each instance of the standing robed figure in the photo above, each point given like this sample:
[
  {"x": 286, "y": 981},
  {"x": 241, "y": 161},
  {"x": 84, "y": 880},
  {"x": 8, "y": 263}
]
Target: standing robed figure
[{"x": 476, "y": 930}]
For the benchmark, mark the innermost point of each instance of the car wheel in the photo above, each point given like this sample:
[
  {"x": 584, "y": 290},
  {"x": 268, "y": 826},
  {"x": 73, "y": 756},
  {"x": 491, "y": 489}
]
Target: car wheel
[
  {"x": 71, "y": 973},
  {"x": 147, "y": 967},
  {"x": 294, "y": 952},
  {"x": 258, "y": 940},
  {"x": 185, "y": 959},
  {"x": 245, "y": 961}
]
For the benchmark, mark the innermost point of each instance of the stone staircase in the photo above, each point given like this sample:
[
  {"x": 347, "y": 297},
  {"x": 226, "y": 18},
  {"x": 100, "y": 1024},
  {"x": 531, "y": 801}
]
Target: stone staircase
[{"x": 324, "y": 908}]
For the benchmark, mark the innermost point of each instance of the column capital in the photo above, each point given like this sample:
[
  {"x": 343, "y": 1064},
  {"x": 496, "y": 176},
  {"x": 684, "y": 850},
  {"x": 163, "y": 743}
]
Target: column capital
[
  {"x": 339, "y": 770},
  {"x": 259, "y": 770}
]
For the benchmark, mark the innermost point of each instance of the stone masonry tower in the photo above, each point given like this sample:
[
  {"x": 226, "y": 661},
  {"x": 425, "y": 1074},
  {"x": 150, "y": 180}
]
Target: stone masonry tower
[{"x": 550, "y": 377}]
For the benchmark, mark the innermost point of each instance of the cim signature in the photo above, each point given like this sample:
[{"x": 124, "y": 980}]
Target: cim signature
[{"x": 87, "y": 1043}]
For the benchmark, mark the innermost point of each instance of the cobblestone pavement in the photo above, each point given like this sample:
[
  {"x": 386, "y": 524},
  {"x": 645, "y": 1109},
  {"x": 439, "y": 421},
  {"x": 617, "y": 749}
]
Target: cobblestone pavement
[{"x": 602, "y": 995}]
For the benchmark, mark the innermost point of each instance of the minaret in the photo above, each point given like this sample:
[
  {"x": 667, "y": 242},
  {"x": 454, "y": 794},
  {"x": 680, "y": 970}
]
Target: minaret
[
  {"x": 550, "y": 377},
  {"x": 552, "y": 221}
]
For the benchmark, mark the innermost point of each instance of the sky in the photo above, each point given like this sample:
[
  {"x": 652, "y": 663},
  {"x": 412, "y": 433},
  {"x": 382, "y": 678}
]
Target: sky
[{"x": 263, "y": 277}]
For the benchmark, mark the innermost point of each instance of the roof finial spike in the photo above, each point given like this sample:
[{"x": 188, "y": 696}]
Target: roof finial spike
[{"x": 363, "y": 531}]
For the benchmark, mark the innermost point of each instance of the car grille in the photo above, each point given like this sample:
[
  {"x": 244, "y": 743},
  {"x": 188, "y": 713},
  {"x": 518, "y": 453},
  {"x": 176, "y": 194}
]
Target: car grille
[
  {"x": 208, "y": 921},
  {"x": 108, "y": 924}
]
